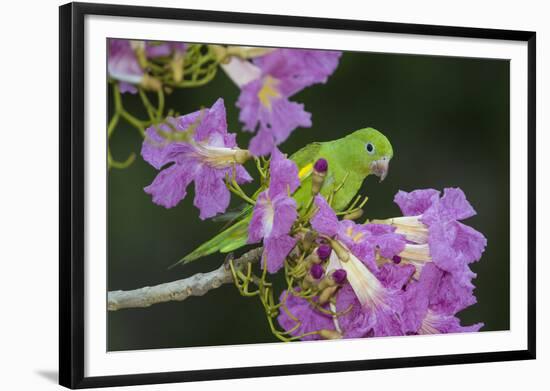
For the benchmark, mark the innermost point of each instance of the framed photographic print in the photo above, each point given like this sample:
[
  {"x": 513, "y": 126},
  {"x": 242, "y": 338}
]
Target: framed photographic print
[{"x": 255, "y": 195}]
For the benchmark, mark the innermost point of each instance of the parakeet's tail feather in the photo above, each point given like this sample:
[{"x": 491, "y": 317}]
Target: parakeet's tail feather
[
  {"x": 245, "y": 211},
  {"x": 226, "y": 241}
]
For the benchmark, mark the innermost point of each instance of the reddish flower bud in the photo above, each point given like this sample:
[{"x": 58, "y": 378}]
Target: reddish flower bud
[
  {"x": 316, "y": 271},
  {"x": 323, "y": 251},
  {"x": 321, "y": 166},
  {"x": 339, "y": 276},
  {"x": 319, "y": 173}
]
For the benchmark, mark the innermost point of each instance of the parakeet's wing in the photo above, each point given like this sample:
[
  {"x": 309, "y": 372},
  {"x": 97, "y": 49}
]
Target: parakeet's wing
[
  {"x": 233, "y": 216},
  {"x": 226, "y": 241}
]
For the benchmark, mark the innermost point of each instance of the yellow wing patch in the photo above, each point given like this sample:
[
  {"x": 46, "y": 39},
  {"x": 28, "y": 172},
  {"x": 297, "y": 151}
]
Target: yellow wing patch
[{"x": 305, "y": 171}]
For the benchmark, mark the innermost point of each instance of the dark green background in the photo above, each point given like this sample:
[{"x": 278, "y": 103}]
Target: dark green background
[{"x": 448, "y": 121}]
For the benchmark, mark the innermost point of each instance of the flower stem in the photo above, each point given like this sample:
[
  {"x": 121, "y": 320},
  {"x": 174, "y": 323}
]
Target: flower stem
[
  {"x": 234, "y": 187},
  {"x": 120, "y": 165},
  {"x": 151, "y": 111},
  {"x": 136, "y": 123},
  {"x": 111, "y": 162},
  {"x": 160, "y": 109}
]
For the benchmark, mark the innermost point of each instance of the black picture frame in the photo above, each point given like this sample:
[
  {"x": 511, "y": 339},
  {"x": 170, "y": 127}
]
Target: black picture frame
[{"x": 71, "y": 200}]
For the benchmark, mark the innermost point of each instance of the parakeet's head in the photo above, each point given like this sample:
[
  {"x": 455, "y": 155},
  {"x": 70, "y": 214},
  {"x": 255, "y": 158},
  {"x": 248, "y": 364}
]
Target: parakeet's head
[{"x": 374, "y": 151}]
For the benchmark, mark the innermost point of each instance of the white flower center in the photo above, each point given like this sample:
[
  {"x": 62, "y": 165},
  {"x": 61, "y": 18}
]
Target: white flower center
[
  {"x": 427, "y": 326},
  {"x": 416, "y": 252},
  {"x": 410, "y": 226},
  {"x": 269, "y": 214},
  {"x": 367, "y": 287},
  {"x": 216, "y": 157}
]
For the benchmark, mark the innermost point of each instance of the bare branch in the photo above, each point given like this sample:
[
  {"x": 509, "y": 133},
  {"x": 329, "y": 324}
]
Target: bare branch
[{"x": 196, "y": 285}]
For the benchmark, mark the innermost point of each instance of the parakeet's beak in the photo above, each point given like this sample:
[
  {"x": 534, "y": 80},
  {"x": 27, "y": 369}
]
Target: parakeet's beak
[{"x": 380, "y": 167}]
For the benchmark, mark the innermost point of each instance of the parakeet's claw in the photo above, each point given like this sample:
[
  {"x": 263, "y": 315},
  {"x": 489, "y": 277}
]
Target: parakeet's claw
[{"x": 380, "y": 167}]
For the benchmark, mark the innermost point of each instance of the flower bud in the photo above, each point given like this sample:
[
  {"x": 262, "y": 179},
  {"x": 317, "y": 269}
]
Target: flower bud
[
  {"x": 295, "y": 253},
  {"x": 316, "y": 271},
  {"x": 320, "y": 255},
  {"x": 323, "y": 252},
  {"x": 308, "y": 240},
  {"x": 312, "y": 259},
  {"x": 321, "y": 166},
  {"x": 354, "y": 215},
  {"x": 247, "y": 53},
  {"x": 176, "y": 65},
  {"x": 341, "y": 251},
  {"x": 326, "y": 282},
  {"x": 329, "y": 334},
  {"x": 308, "y": 282},
  {"x": 320, "y": 169},
  {"x": 150, "y": 83},
  {"x": 327, "y": 293},
  {"x": 339, "y": 276},
  {"x": 139, "y": 50}
]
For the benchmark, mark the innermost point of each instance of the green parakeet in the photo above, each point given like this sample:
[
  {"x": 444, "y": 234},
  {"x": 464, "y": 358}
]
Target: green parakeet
[{"x": 350, "y": 160}]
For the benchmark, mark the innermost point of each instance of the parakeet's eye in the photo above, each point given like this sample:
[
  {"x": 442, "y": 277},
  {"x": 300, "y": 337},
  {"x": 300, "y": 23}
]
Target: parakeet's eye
[{"x": 370, "y": 148}]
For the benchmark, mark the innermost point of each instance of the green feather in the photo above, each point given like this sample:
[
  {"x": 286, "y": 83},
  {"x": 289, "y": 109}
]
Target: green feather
[
  {"x": 349, "y": 165},
  {"x": 306, "y": 155},
  {"x": 226, "y": 241}
]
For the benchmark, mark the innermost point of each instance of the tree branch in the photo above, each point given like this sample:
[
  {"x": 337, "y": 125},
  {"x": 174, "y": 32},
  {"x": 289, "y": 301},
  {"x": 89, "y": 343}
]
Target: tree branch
[{"x": 196, "y": 285}]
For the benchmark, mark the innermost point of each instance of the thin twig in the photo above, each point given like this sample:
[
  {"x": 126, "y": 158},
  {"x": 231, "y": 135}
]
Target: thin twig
[{"x": 196, "y": 285}]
